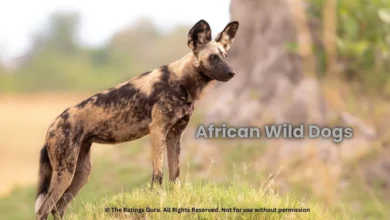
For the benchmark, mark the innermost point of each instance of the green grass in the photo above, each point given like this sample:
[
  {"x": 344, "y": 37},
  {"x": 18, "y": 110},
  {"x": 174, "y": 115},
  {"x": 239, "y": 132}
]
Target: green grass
[
  {"x": 19, "y": 204},
  {"x": 234, "y": 179},
  {"x": 148, "y": 203}
]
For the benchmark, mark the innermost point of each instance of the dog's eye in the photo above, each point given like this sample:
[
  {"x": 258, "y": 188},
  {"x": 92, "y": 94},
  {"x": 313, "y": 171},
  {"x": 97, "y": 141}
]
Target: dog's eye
[{"x": 213, "y": 56}]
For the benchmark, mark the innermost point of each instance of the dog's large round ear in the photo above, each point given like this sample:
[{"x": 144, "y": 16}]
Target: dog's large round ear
[
  {"x": 226, "y": 37},
  {"x": 199, "y": 35}
]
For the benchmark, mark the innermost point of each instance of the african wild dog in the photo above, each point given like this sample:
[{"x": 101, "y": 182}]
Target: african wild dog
[{"x": 158, "y": 103}]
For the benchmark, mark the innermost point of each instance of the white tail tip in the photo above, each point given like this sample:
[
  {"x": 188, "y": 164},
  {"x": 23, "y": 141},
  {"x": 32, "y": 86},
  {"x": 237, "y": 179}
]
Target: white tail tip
[{"x": 39, "y": 201}]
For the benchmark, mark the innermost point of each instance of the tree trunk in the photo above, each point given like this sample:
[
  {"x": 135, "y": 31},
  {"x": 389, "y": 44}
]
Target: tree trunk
[{"x": 269, "y": 86}]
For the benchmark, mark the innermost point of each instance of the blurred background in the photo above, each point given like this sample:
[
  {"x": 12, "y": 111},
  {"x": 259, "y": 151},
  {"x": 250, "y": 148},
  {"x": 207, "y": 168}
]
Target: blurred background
[{"x": 325, "y": 62}]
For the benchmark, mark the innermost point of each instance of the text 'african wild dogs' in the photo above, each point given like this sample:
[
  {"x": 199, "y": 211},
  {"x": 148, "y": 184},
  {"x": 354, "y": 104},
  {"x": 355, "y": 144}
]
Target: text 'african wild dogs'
[{"x": 159, "y": 103}]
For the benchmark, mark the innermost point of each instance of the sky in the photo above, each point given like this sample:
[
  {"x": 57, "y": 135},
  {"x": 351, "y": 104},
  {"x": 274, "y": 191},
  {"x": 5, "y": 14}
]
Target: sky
[{"x": 19, "y": 19}]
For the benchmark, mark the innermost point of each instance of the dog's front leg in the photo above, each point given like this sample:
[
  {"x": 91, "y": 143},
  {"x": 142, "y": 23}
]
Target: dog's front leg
[
  {"x": 164, "y": 117},
  {"x": 158, "y": 146},
  {"x": 158, "y": 129},
  {"x": 173, "y": 148}
]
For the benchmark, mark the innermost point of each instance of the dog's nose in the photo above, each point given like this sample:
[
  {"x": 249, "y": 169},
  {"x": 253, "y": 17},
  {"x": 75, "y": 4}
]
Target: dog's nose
[{"x": 231, "y": 74}]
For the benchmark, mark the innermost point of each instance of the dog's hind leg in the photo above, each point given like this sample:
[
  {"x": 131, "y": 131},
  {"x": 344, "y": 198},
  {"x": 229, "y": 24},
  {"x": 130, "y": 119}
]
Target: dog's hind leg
[
  {"x": 81, "y": 177},
  {"x": 64, "y": 158}
]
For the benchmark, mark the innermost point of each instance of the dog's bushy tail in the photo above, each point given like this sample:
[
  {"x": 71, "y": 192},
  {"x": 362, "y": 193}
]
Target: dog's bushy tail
[{"x": 44, "y": 178}]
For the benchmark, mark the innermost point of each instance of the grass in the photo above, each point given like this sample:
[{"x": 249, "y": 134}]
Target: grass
[
  {"x": 200, "y": 201},
  {"x": 121, "y": 172}
]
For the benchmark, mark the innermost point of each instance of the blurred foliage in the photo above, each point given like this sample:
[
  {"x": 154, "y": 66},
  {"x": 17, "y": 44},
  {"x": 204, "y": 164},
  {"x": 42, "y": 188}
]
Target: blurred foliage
[
  {"x": 363, "y": 41},
  {"x": 58, "y": 62}
]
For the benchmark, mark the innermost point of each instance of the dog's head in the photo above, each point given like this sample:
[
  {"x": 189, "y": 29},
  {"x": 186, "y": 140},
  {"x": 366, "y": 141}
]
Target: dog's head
[{"x": 212, "y": 54}]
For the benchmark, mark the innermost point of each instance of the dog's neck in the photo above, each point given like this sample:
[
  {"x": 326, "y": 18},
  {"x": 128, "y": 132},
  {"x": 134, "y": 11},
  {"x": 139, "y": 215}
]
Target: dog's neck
[{"x": 191, "y": 77}]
